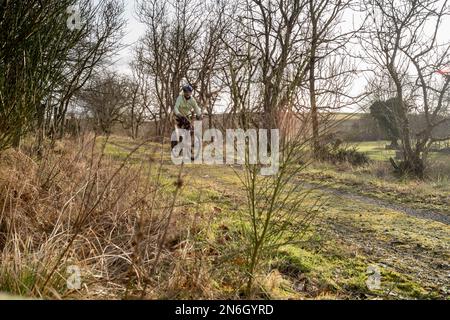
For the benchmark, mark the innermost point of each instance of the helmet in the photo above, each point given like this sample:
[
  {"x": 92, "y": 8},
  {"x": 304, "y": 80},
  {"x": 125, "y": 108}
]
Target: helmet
[{"x": 187, "y": 88}]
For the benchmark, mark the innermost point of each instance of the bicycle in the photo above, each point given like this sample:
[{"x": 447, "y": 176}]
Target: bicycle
[{"x": 183, "y": 123}]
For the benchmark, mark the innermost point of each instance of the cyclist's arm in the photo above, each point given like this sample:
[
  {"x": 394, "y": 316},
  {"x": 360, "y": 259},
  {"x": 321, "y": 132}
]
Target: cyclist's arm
[{"x": 176, "y": 110}]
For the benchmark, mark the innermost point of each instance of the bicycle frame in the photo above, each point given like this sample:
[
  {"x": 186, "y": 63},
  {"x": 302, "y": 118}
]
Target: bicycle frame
[{"x": 195, "y": 140}]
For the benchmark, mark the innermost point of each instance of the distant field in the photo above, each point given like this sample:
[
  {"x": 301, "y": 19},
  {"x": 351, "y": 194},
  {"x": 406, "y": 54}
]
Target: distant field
[
  {"x": 377, "y": 151},
  {"x": 347, "y": 116}
]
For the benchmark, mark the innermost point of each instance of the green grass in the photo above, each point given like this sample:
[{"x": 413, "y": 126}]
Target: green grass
[
  {"x": 342, "y": 243},
  {"x": 376, "y": 150}
]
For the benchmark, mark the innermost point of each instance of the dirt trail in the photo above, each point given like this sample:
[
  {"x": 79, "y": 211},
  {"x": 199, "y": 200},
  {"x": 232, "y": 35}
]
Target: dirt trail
[
  {"x": 418, "y": 213},
  {"x": 429, "y": 267}
]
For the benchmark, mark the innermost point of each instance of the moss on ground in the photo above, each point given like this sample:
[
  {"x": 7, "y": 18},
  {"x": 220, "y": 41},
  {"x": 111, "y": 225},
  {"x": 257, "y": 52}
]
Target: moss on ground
[{"x": 347, "y": 238}]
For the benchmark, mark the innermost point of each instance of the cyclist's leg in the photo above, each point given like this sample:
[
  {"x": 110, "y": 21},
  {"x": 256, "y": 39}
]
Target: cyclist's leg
[
  {"x": 178, "y": 126},
  {"x": 185, "y": 124},
  {"x": 173, "y": 144},
  {"x": 181, "y": 124}
]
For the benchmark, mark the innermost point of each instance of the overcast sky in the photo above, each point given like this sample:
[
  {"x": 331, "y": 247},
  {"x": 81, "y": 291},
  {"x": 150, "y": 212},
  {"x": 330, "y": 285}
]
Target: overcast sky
[{"x": 134, "y": 31}]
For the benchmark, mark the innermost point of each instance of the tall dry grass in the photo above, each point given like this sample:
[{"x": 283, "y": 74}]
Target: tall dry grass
[{"x": 79, "y": 207}]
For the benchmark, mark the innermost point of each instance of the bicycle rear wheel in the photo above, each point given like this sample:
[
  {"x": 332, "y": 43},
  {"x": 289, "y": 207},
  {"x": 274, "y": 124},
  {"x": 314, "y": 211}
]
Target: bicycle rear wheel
[{"x": 193, "y": 152}]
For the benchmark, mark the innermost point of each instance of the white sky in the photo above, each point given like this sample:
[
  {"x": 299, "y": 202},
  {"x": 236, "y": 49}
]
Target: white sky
[{"x": 134, "y": 30}]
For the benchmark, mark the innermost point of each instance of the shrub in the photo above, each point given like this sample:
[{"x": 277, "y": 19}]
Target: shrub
[
  {"x": 337, "y": 153},
  {"x": 81, "y": 207}
]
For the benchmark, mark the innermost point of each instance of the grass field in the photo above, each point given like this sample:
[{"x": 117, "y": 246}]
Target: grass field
[
  {"x": 347, "y": 237},
  {"x": 376, "y": 151},
  {"x": 139, "y": 226}
]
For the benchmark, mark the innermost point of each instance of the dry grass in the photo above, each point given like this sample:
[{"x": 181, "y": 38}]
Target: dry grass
[
  {"x": 113, "y": 210},
  {"x": 79, "y": 207}
]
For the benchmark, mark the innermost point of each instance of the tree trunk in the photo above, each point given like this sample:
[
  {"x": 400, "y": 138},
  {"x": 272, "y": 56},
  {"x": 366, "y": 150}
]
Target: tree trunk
[{"x": 314, "y": 109}]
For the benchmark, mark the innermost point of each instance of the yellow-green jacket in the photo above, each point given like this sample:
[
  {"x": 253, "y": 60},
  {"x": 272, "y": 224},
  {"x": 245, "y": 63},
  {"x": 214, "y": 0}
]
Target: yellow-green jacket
[{"x": 184, "y": 107}]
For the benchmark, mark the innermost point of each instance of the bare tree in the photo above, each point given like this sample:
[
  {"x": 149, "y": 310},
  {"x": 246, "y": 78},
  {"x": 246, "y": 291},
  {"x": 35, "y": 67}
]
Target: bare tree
[
  {"x": 209, "y": 56},
  {"x": 404, "y": 45},
  {"x": 140, "y": 107},
  {"x": 329, "y": 71},
  {"x": 44, "y": 63},
  {"x": 238, "y": 72},
  {"x": 275, "y": 30},
  {"x": 102, "y": 30},
  {"x": 173, "y": 28},
  {"x": 106, "y": 98},
  {"x": 35, "y": 42}
]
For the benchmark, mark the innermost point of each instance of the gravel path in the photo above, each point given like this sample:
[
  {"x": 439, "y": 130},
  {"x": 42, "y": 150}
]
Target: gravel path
[{"x": 418, "y": 213}]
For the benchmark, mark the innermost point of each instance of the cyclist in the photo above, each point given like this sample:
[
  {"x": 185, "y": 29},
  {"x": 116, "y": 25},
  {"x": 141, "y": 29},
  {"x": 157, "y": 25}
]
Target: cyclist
[{"x": 184, "y": 106}]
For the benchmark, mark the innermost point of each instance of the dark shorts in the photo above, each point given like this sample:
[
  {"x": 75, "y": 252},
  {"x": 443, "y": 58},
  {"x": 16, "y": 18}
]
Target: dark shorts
[{"x": 183, "y": 123}]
